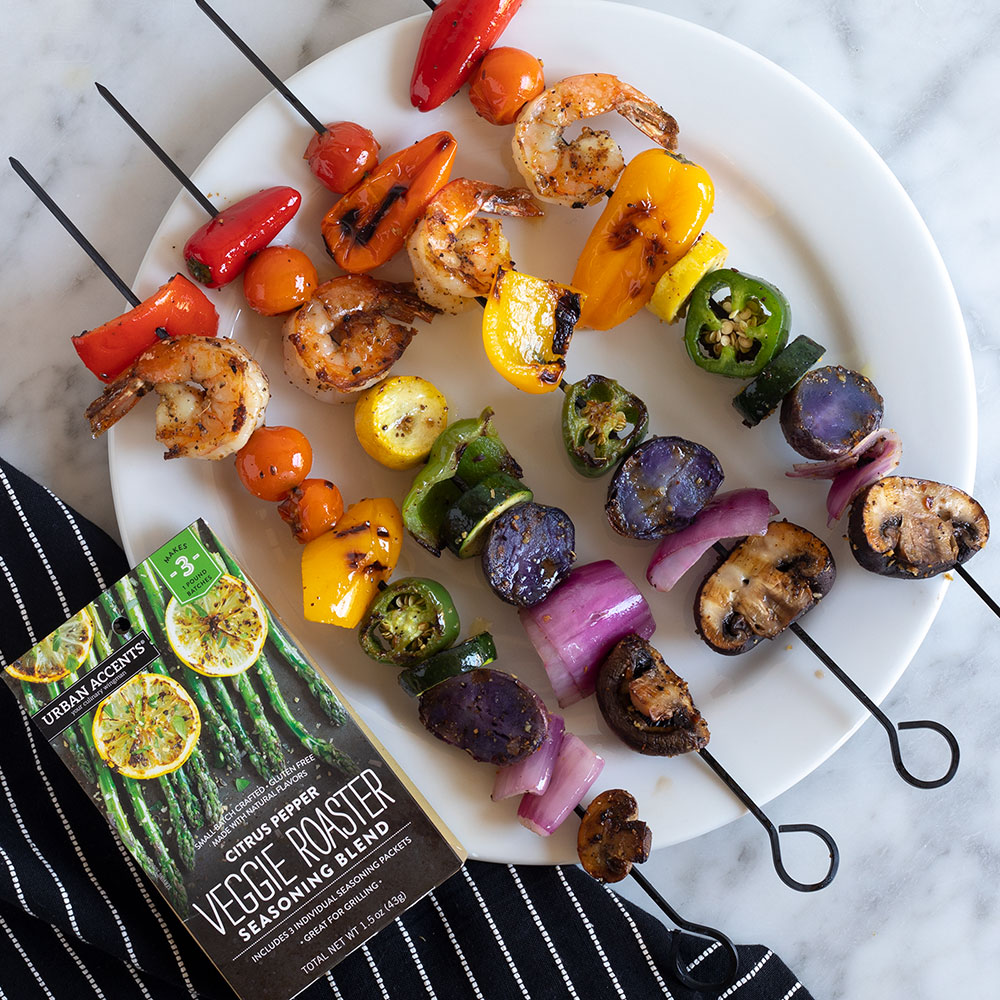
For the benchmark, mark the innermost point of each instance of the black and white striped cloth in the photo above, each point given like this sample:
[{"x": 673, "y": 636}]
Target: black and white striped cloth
[{"x": 78, "y": 919}]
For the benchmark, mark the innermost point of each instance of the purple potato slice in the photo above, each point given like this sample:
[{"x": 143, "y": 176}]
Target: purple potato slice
[
  {"x": 915, "y": 528},
  {"x": 492, "y": 716},
  {"x": 528, "y": 552},
  {"x": 646, "y": 703},
  {"x": 762, "y": 586},
  {"x": 661, "y": 486},
  {"x": 830, "y": 411}
]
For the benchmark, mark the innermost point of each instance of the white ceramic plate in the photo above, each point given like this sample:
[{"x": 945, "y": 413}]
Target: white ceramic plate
[{"x": 800, "y": 199}]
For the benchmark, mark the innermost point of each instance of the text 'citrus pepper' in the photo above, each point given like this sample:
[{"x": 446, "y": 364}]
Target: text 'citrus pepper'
[
  {"x": 369, "y": 224},
  {"x": 177, "y": 309},
  {"x": 656, "y": 212},
  {"x": 341, "y": 570},
  {"x": 527, "y": 326}
]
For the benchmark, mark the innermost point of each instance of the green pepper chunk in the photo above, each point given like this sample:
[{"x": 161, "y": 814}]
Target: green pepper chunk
[
  {"x": 463, "y": 455},
  {"x": 601, "y": 423},
  {"x": 469, "y": 655},
  {"x": 409, "y": 621},
  {"x": 735, "y": 323}
]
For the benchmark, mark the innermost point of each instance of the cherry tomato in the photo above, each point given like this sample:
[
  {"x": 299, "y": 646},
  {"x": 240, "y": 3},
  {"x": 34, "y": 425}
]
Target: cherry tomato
[
  {"x": 504, "y": 82},
  {"x": 342, "y": 155},
  {"x": 279, "y": 279},
  {"x": 274, "y": 461},
  {"x": 311, "y": 508}
]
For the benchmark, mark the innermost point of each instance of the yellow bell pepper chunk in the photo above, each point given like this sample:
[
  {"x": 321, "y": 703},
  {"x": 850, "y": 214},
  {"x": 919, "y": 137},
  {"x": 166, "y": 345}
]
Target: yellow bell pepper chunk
[
  {"x": 656, "y": 212},
  {"x": 398, "y": 419},
  {"x": 341, "y": 570},
  {"x": 527, "y": 326},
  {"x": 677, "y": 283}
]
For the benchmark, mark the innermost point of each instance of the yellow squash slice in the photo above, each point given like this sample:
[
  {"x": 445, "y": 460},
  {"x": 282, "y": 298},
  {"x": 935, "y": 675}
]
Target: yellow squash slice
[{"x": 675, "y": 286}]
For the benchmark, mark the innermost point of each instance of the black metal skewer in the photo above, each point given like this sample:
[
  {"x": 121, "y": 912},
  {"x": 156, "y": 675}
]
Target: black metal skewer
[
  {"x": 886, "y": 723},
  {"x": 88, "y": 248},
  {"x": 978, "y": 590},
  {"x": 701, "y": 930},
  {"x": 772, "y": 832},
  {"x": 262, "y": 67},
  {"x": 158, "y": 151}
]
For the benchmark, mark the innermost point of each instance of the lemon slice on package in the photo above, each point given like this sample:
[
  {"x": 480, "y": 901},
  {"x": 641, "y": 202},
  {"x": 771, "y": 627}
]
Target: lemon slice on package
[
  {"x": 147, "y": 728},
  {"x": 221, "y": 633},
  {"x": 57, "y": 655}
]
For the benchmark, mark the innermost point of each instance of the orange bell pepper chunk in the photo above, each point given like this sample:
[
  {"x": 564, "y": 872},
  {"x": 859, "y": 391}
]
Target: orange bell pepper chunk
[
  {"x": 658, "y": 208},
  {"x": 369, "y": 224},
  {"x": 341, "y": 570}
]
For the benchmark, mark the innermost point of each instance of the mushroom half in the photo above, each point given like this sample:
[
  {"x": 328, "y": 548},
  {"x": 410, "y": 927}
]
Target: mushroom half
[
  {"x": 611, "y": 837},
  {"x": 646, "y": 703},
  {"x": 915, "y": 528},
  {"x": 762, "y": 586}
]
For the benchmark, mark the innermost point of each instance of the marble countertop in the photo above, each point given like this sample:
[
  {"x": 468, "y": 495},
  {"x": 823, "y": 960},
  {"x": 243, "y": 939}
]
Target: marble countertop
[{"x": 915, "y": 911}]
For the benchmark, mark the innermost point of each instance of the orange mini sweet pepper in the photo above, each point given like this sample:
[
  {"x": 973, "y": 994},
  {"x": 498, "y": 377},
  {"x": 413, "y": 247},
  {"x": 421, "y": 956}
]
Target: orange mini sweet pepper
[
  {"x": 369, "y": 223},
  {"x": 658, "y": 208},
  {"x": 341, "y": 570}
]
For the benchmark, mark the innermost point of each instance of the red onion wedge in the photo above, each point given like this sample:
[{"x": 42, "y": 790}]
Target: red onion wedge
[
  {"x": 531, "y": 776},
  {"x": 576, "y": 769},
  {"x": 880, "y": 458},
  {"x": 728, "y": 515},
  {"x": 832, "y": 468},
  {"x": 580, "y": 622}
]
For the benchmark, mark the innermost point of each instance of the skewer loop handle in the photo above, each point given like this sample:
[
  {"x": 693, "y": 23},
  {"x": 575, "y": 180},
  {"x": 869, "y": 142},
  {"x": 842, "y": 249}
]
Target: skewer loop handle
[
  {"x": 897, "y": 759},
  {"x": 779, "y": 865}
]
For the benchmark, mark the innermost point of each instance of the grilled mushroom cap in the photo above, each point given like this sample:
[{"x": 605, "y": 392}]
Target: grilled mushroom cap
[
  {"x": 914, "y": 528},
  {"x": 762, "y": 586},
  {"x": 646, "y": 703},
  {"x": 611, "y": 837}
]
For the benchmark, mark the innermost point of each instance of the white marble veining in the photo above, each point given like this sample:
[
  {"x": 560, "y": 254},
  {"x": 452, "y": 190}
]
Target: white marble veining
[{"x": 915, "y": 911}]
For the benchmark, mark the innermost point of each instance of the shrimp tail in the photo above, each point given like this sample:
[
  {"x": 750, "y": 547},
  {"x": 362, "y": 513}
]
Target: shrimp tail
[
  {"x": 116, "y": 400},
  {"x": 517, "y": 202},
  {"x": 651, "y": 120},
  {"x": 402, "y": 303}
]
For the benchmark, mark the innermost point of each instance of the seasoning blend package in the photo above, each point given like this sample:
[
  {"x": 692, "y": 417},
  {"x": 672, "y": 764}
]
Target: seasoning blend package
[{"x": 244, "y": 786}]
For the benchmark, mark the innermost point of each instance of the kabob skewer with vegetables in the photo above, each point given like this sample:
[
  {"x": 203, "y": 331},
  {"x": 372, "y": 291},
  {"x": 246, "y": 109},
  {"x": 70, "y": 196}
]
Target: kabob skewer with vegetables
[{"x": 751, "y": 338}]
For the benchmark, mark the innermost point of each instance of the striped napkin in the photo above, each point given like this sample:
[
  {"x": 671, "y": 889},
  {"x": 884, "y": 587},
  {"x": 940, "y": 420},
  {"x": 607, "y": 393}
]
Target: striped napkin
[{"x": 78, "y": 919}]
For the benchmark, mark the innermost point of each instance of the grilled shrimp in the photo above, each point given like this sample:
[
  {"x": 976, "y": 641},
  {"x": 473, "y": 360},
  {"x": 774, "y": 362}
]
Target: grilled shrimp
[
  {"x": 454, "y": 254},
  {"x": 341, "y": 340},
  {"x": 212, "y": 396},
  {"x": 577, "y": 173}
]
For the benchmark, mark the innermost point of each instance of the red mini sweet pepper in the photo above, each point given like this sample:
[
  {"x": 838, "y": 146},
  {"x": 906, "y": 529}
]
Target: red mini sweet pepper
[
  {"x": 177, "y": 309},
  {"x": 220, "y": 249},
  {"x": 369, "y": 224},
  {"x": 458, "y": 35}
]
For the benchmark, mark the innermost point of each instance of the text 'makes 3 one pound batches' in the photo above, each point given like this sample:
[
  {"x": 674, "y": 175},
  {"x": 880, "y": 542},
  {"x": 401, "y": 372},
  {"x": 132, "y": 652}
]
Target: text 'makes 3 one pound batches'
[{"x": 261, "y": 807}]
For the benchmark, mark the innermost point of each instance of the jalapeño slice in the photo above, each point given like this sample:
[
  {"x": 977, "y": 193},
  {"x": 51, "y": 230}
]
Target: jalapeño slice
[
  {"x": 735, "y": 324},
  {"x": 601, "y": 423},
  {"x": 409, "y": 621}
]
